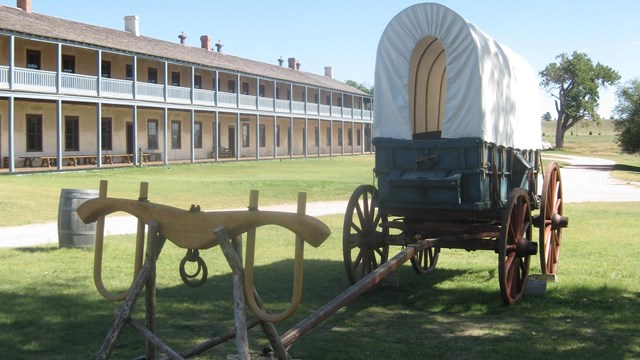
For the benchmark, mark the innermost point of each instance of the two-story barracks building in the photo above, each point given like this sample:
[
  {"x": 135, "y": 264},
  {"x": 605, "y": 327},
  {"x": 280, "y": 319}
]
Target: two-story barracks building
[{"x": 74, "y": 94}]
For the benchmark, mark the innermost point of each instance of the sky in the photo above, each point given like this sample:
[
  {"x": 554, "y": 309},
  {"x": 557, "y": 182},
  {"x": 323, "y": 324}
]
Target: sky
[{"x": 344, "y": 34}]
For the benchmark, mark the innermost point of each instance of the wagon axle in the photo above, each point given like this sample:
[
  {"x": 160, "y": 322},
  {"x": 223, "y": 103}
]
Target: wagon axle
[{"x": 525, "y": 247}]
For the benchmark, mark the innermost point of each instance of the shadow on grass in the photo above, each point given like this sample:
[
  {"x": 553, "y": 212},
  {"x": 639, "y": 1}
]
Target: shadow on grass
[
  {"x": 627, "y": 168},
  {"x": 433, "y": 316}
]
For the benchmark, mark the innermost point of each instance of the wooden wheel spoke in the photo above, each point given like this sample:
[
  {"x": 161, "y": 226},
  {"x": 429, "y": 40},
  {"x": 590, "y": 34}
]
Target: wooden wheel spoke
[{"x": 361, "y": 232}]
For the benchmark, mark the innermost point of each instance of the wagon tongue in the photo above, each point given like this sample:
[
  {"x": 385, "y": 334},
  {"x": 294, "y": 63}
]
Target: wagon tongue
[{"x": 524, "y": 247}]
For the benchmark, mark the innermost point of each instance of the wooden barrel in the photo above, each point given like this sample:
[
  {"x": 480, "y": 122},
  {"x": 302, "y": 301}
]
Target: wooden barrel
[{"x": 72, "y": 231}]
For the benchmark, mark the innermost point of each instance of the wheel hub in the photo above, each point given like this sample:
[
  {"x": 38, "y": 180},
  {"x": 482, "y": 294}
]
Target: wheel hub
[{"x": 524, "y": 247}]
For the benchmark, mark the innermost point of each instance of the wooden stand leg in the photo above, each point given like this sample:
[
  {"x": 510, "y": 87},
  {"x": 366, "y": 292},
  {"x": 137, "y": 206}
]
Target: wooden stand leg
[
  {"x": 242, "y": 341},
  {"x": 154, "y": 246},
  {"x": 234, "y": 262}
]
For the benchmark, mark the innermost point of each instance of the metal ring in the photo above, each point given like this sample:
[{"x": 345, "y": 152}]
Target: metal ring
[{"x": 188, "y": 279}]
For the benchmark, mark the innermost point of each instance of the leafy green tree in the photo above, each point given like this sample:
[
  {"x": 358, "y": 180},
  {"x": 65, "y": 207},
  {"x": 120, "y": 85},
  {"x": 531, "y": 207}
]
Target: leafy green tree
[
  {"x": 628, "y": 112},
  {"x": 362, "y": 87},
  {"x": 546, "y": 116},
  {"x": 574, "y": 81}
]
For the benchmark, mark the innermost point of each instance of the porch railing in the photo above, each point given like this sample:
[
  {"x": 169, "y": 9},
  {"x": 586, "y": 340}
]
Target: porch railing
[
  {"x": 78, "y": 84},
  {"x": 117, "y": 88},
  {"x": 46, "y": 81}
]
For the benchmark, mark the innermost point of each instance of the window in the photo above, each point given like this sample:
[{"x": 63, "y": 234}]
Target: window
[
  {"x": 129, "y": 72},
  {"x": 277, "y": 93},
  {"x": 106, "y": 135},
  {"x": 175, "y": 78},
  {"x": 197, "y": 81},
  {"x": 339, "y": 136},
  {"x": 175, "y": 134},
  {"x": 261, "y": 90},
  {"x": 33, "y": 59},
  {"x": 245, "y": 135},
  {"x": 152, "y": 75},
  {"x": 278, "y": 135},
  {"x": 359, "y": 138},
  {"x": 231, "y": 86},
  {"x": 152, "y": 134},
  {"x": 245, "y": 88},
  {"x": 34, "y": 132},
  {"x": 71, "y": 133},
  {"x": 68, "y": 63},
  {"x": 316, "y": 98},
  {"x": 339, "y": 101},
  {"x": 328, "y": 100},
  {"x": 316, "y": 136},
  {"x": 350, "y": 137},
  {"x": 329, "y": 136},
  {"x": 263, "y": 135},
  {"x": 288, "y": 94},
  {"x": 197, "y": 135},
  {"x": 106, "y": 69}
]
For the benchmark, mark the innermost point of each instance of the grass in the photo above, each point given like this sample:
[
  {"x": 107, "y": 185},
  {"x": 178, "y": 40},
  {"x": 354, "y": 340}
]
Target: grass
[
  {"x": 212, "y": 186},
  {"x": 50, "y": 308}
]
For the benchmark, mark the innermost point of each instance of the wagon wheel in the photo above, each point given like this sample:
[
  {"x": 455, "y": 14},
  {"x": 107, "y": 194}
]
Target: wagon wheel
[
  {"x": 514, "y": 246},
  {"x": 424, "y": 262},
  {"x": 363, "y": 243},
  {"x": 551, "y": 220}
]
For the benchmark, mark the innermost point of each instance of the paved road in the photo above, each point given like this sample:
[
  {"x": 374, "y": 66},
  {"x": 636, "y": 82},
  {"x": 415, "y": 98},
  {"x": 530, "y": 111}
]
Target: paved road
[{"x": 585, "y": 180}]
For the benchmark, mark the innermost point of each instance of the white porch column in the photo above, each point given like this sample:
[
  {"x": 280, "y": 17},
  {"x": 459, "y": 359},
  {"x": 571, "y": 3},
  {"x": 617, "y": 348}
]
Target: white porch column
[
  {"x": 165, "y": 145},
  {"x": 11, "y": 111},
  {"x": 99, "y": 133},
  {"x": 193, "y": 135},
  {"x": 58, "y": 133}
]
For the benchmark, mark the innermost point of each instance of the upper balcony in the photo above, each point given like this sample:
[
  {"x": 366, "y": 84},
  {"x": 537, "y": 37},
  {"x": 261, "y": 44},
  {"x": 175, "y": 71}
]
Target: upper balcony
[{"x": 52, "y": 82}]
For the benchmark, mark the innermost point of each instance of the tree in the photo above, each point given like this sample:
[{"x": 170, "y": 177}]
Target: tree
[
  {"x": 546, "y": 116},
  {"x": 362, "y": 87},
  {"x": 574, "y": 82},
  {"x": 628, "y": 112}
]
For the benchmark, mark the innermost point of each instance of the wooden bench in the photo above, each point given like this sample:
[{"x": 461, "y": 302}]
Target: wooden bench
[
  {"x": 224, "y": 152},
  {"x": 72, "y": 160},
  {"x": 28, "y": 160},
  {"x": 108, "y": 158}
]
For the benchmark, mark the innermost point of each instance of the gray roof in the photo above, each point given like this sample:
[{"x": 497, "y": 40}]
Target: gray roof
[{"x": 49, "y": 27}]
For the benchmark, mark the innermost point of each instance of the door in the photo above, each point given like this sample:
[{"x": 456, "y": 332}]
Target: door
[
  {"x": 232, "y": 140},
  {"x": 130, "y": 149}
]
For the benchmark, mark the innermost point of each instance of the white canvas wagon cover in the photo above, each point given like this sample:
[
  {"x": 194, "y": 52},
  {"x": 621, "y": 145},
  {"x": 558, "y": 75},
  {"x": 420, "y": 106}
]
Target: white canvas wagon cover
[{"x": 475, "y": 86}]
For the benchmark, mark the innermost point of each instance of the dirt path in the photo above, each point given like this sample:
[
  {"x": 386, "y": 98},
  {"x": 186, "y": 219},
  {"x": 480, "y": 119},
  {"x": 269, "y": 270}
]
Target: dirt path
[
  {"x": 585, "y": 180},
  {"x": 589, "y": 180}
]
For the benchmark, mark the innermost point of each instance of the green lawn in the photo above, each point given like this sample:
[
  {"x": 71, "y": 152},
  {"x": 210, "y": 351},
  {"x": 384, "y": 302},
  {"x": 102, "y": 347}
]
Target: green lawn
[{"x": 50, "y": 308}]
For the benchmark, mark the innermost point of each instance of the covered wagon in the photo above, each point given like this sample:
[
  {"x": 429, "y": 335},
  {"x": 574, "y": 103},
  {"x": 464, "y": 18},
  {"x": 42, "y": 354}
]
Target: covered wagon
[{"x": 457, "y": 141}]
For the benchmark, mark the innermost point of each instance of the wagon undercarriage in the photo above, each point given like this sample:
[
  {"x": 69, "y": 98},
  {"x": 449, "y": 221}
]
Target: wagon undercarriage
[{"x": 506, "y": 228}]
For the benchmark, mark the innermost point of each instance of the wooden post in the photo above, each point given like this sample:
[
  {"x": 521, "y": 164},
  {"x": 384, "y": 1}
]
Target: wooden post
[
  {"x": 154, "y": 246},
  {"x": 242, "y": 342},
  {"x": 150, "y": 293}
]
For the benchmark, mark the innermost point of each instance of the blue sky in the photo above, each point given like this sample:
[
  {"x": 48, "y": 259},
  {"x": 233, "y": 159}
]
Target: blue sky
[{"x": 345, "y": 33}]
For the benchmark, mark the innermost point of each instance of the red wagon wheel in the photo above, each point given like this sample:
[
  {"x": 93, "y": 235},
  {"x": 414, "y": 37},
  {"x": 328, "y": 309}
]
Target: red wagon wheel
[
  {"x": 363, "y": 242},
  {"x": 551, "y": 220},
  {"x": 424, "y": 262},
  {"x": 514, "y": 246}
]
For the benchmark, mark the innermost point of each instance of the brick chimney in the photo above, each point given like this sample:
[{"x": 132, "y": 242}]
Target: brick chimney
[
  {"x": 132, "y": 24},
  {"x": 292, "y": 63},
  {"x": 205, "y": 42},
  {"x": 182, "y": 37},
  {"x": 24, "y": 5},
  {"x": 328, "y": 71}
]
